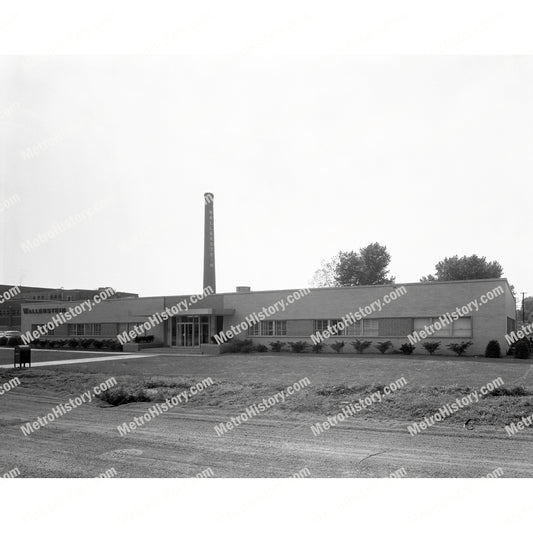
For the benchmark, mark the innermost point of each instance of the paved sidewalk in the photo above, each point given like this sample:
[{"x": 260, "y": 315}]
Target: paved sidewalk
[{"x": 86, "y": 360}]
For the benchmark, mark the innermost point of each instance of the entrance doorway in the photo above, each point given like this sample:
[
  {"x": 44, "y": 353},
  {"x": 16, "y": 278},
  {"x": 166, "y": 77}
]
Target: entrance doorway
[{"x": 190, "y": 331}]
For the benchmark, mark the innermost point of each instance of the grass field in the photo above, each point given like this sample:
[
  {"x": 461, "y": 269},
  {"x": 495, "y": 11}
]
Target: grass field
[{"x": 241, "y": 380}]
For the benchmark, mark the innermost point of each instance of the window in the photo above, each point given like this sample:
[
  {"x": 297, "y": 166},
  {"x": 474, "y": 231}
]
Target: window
[
  {"x": 280, "y": 327},
  {"x": 355, "y": 329},
  {"x": 370, "y": 328},
  {"x": 255, "y": 329},
  {"x": 76, "y": 329},
  {"x": 462, "y": 327},
  {"x": 269, "y": 328},
  {"x": 85, "y": 329},
  {"x": 93, "y": 329},
  {"x": 325, "y": 324},
  {"x": 321, "y": 325}
]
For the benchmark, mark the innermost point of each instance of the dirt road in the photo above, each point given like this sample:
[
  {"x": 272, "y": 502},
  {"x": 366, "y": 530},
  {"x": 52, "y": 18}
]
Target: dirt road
[{"x": 183, "y": 443}]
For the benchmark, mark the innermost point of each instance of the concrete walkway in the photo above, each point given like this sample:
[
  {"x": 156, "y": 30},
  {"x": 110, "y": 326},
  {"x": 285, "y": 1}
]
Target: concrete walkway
[{"x": 86, "y": 360}]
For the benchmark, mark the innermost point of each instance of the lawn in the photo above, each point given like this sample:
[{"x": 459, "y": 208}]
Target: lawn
[
  {"x": 242, "y": 380},
  {"x": 419, "y": 370}
]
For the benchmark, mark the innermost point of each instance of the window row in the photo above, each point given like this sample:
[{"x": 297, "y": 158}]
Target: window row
[
  {"x": 462, "y": 327},
  {"x": 84, "y": 329},
  {"x": 361, "y": 328},
  {"x": 269, "y": 328}
]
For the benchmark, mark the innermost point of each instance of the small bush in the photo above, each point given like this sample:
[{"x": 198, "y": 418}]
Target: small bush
[
  {"x": 121, "y": 395},
  {"x": 73, "y": 343},
  {"x": 277, "y": 346},
  {"x": 493, "y": 349},
  {"x": 407, "y": 348},
  {"x": 361, "y": 346},
  {"x": 86, "y": 343},
  {"x": 3, "y": 341},
  {"x": 237, "y": 346},
  {"x": 299, "y": 346},
  {"x": 384, "y": 346},
  {"x": 98, "y": 344},
  {"x": 338, "y": 346},
  {"x": 261, "y": 348},
  {"x": 431, "y": 347},
  {"x": 144, "y": 339},
  {"x": 318, "y": 347},
  {"x": 522, "y": 349},
  {"x": 460, "y": 347},
  {"x": 510, "y": 391}
]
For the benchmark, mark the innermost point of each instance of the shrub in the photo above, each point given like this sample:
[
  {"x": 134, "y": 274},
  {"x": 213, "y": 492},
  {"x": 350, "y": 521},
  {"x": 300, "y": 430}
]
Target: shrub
[
  {"x": 338, "y": 346},
  {"x": 460, "y": 347},
  {"x": 299, "y": 346},
  {"x": 510, "y": 391},
  {"x": 119, "y": 395},
  {"x": 98, "y": 344},
  {"x": 261, "y": 348},
  {"x": 361, "y": 346},
  {"x": 237, "y": 346},
  {"x": 85, "y": 343},
  {"x": 522, "y": 349},
  {"x": 3, "y": 341},
  {"x": 431, "y": 347},
  {"x": 407, "y": 348},
  {"x": 384, "y": 346},
  {"x": 73, "y": 343},
  {"x": 144, "y": 338},
  {"x": 318, "y": 347},
  {"x": 493, "y": 349},
  {"x": 277, "y": 346}
]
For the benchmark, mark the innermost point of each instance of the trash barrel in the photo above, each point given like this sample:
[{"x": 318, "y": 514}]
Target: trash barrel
[{"x": 22, "y": 356}]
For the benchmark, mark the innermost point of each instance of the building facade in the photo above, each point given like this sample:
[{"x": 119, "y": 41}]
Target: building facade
[
  {"x": 475, "y": 311},
  {"x": 11, "y": 309}
]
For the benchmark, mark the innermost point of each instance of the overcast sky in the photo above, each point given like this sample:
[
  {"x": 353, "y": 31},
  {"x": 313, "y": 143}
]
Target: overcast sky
[{"x": 430, "y": 156}]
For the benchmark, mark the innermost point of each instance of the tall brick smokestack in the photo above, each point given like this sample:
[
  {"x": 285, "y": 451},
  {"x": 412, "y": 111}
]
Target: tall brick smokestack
[{"x": 209, "y": 243}]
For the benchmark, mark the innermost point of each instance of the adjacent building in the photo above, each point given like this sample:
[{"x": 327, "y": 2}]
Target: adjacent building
[{"x": 11, "y": 308}]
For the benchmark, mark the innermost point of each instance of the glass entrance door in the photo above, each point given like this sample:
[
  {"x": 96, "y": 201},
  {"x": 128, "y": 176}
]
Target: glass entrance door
[
  {"x": 190, "y": 331},
  {"x": 187, "y": 334}
]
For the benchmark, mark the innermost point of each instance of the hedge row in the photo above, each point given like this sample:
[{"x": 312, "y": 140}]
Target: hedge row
[{"x": 521, "y": 349}]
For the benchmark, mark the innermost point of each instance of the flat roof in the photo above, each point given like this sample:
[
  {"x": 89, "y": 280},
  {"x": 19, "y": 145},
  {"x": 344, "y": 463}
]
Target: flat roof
[{"x": 354, "y": 287}]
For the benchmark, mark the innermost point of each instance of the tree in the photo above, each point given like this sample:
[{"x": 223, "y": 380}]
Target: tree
[
  {"x": 528, "y": 306},
  {"x": 460, "y": 268},
  {"x": 325, "y": 275},
  {"x": 347, "y": 269}
]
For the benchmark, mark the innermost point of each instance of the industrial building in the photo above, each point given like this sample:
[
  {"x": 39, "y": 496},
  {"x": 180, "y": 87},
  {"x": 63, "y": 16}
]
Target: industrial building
[{"x": 474, "y": 311}]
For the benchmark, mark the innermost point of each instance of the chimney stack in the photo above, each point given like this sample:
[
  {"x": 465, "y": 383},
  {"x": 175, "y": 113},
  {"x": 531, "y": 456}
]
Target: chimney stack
[{"x": 209, "y": 243}]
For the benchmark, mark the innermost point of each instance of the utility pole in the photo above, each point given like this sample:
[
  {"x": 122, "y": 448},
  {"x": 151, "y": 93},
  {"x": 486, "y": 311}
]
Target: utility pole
[{"x": 523, "y": 308}]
